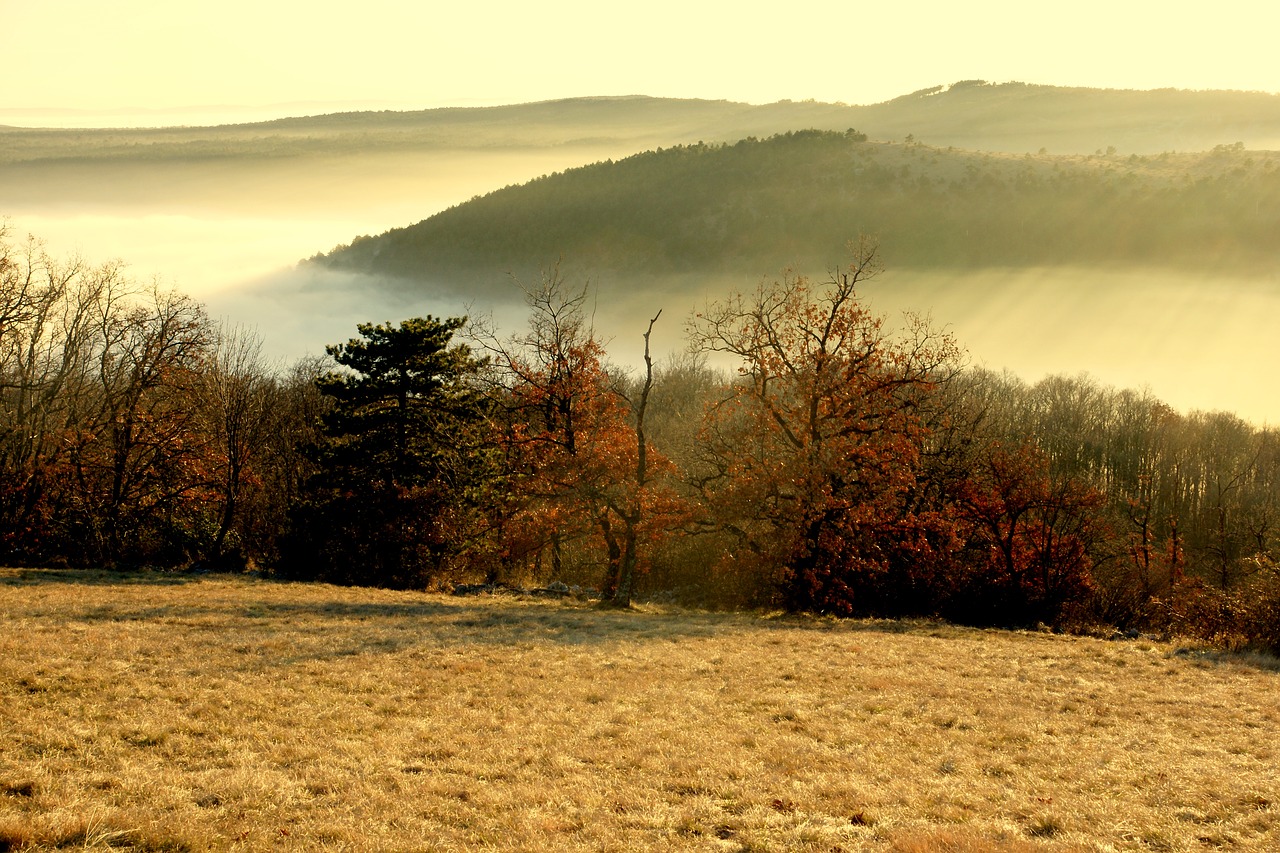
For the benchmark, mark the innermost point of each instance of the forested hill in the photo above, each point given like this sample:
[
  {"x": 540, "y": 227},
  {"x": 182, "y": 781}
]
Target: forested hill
[{"x": 797, "y": 198}]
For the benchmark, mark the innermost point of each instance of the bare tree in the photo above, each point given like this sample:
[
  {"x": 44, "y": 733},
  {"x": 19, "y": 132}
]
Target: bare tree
[
  {"x": 629, "y": 504},
  {"x": 46, "y": 343},
  {"x": 138, "y": 458},
  {"x": 236, "y": 391}
]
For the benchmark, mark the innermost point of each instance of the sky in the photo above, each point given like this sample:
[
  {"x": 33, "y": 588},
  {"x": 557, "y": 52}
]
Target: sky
[{"x": 258, "y": 58}]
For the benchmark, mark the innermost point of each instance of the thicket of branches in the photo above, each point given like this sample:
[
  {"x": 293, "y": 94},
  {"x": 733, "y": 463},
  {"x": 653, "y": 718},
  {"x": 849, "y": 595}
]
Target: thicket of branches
[
  {"x": 835, "y": 466},
  {"x": 133, "y": 430}
]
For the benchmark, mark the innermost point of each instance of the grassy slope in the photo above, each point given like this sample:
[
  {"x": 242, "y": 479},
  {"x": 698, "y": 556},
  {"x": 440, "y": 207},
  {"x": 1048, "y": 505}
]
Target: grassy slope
[{"x": 170, "y": 714}]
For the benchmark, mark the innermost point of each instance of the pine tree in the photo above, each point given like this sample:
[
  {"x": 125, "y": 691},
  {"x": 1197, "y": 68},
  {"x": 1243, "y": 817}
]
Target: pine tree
[{"x": 402, "y": 459}]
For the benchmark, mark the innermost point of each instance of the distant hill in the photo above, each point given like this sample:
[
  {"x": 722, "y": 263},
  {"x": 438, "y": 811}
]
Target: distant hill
[
  {"x": 1008, "y": 117},
  {"x": 796, "y": 199},
  {"x": 1019, "y": 118}
]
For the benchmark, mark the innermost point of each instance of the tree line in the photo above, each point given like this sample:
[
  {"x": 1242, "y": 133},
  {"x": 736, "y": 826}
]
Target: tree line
[
  {"x": 133, "y": 429},
  {"x": 798, "y": 454}
]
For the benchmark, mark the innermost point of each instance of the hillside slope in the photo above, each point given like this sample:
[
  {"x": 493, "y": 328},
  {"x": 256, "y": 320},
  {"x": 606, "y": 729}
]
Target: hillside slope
[
  {"x": 1017, "y": 118},
  {"x": 796, "y": 199}
]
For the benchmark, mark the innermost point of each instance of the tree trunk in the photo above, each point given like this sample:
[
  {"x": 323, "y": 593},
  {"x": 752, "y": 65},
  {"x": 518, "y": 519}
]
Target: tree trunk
[
  {"x": 626, "y": 566},
  {"x": 609, "y": 588}
]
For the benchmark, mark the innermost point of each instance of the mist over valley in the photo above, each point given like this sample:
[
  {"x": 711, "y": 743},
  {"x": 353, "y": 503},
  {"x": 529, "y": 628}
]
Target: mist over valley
[{"x": 1000, "y": 217}]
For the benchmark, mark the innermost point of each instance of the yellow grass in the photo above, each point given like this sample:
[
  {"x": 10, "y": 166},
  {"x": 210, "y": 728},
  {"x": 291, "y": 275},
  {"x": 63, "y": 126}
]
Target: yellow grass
[{"x": 233, "y": 714}]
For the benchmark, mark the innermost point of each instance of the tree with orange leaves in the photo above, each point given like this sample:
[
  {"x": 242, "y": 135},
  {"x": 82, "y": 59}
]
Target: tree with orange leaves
[
  {"x": 1031, "y": 538},
  {"x": 580, "y": 466},
  {"x": 813, "y": 459}
]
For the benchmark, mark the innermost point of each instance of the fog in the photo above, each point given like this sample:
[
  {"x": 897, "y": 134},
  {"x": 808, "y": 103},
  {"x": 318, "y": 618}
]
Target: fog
[
  {"x": 1196, "y": 342},
  {"x": 231, "y": 237},
  {"x": 208, "y": 226},
  {"x": 298, "y": 312}
]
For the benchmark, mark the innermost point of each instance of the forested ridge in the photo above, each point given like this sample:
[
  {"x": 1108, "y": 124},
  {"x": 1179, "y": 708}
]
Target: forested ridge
[
  {"x": 842, "y": 468},
  {"x": 793, "y": 199}
]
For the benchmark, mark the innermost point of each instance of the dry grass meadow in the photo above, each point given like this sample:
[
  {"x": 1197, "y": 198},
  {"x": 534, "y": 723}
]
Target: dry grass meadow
[{"x": 178, "y": 713}]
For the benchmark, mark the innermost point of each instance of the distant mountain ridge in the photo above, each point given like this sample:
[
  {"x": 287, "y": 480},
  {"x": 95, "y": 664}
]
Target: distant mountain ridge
[
  {"x": 685, "y": 186},
  {"x": 1007, "y": 117}
]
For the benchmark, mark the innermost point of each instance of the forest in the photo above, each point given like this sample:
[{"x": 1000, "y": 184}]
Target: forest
[
  {"x": 833, "y": 466},
  {"x": 794, "y": 198}
]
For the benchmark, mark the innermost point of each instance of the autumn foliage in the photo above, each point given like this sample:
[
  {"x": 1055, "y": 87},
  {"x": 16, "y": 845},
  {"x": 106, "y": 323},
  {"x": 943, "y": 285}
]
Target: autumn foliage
[
  {"x": 104, "y": 453},
  {"x": 581, "y": 473},
  {"x": 822, "y": 462},
  {"x": 803, "y": 453}
]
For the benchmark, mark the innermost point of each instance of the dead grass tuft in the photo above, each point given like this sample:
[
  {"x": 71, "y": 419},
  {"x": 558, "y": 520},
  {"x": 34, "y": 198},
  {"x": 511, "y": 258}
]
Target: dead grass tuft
[
  {"x": 15, "y": 834},
  {"x": 967, "y": 841},
  {"x": 25, "y": 788},
  {"x": 92, "y": 832}
]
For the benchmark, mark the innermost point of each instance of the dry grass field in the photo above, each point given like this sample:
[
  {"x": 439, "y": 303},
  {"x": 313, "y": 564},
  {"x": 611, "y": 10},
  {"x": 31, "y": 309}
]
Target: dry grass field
[{"x": 176, "y": 713}]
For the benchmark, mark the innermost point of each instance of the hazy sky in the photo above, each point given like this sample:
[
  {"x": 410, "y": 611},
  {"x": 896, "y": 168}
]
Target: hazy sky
[{"x": 158, "y": 54}]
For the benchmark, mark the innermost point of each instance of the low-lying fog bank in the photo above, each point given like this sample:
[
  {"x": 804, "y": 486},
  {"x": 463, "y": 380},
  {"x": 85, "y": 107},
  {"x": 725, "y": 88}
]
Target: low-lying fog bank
[{"x": 1196, "y": 343}]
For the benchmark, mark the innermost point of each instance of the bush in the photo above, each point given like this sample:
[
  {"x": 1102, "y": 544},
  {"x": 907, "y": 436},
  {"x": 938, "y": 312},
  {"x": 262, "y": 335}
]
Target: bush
[{"x": 1245, "y": 617}]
